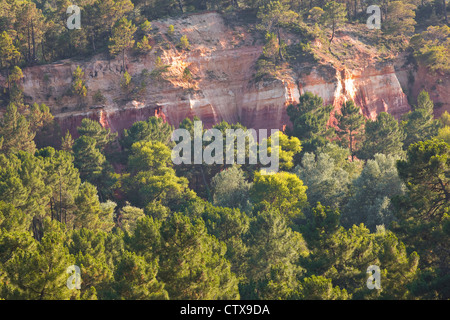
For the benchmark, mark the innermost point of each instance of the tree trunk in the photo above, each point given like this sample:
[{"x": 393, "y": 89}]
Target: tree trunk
[
  {"x": 332, "y": 35},
  {"x": 445, "y": 11},
  {"x": 351, "y": 145},
  {"x": 93, "y": 43},
  {"x": 180, "y": 5},
  {"x": 34, "y": 42},
  {"x": 123, "y": 60},
  {"x": 29, "y": 44},
  {"x": 279, "y": 45}
]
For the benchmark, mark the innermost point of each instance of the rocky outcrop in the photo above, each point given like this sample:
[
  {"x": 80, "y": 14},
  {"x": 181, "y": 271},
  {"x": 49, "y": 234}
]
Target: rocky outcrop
[{"x": 221, "y": 60}]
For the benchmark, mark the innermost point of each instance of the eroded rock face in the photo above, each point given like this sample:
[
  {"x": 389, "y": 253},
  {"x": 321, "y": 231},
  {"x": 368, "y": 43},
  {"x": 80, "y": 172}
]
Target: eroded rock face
[{"x": 221, "y": 60}]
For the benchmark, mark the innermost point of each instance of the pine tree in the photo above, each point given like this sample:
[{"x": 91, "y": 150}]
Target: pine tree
[
  {"x": 273, "y": 16},
  {"x": 350, "y": 126},
  {"x": 16, "y": 132},
  {"x": 230, "y": 226},
  {"x": 78, "y": 83},
  {"x": 9, "y": 55},
  {"x": 103, "y": 137},
  {"x": 154, "y": 129},
  {"x": 192, "y": 263},
  {"x": 40, "y": 274},
  {"x": 128, "y": 217},
  {"x": 67, "y": 142},
  {"x": 63, "y": 179},
  {"x": 271, "y": 244},
  {"x": 122, "y": 38},
  {"x": 88, "y": 208},
  {"x": 310, "y": 119},
  {"x": 382, "y": 136},
  {"x": 419, "y": 124},
  {"x": 88, "y": 248},
  {"x": 144, "y": 45},
  {"x": 334, "y": 16},
  {"x": 135, "y": 279},
  {"x": 88, "y": 159}
]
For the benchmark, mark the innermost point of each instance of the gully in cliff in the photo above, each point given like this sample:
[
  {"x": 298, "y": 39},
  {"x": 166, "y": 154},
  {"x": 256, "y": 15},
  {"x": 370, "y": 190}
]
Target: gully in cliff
[{"x": 213, "y": 153}]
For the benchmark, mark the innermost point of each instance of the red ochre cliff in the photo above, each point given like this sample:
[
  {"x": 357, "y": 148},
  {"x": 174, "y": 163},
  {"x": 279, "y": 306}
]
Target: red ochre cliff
[{"x": 222, "y": 61}]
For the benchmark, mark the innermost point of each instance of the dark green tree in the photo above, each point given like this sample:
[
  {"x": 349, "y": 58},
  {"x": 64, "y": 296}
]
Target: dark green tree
[
  {"x": 309, "y": 121},
  {"x": 192, "y": 263},
  {"x": 383, "y": 135},
  {"x": 419, "y": 124},
  {"x": 135, "y": 279},
  {"x": 350, "y": 126},
  {"x": 122, "y": 38}
]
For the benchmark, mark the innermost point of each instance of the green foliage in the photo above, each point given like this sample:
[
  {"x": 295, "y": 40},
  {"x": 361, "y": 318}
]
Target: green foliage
[
  {"x": 8, "y": 51},
  {"x": 334, "y": 15},
  {"x": 288, "y": 149},
  {"x": 309, "y": 119},
  {"x": 419, "y": 124},
  {"x": 400, "y": 18},
  {"x": 152, "y": 179},
  {"x": 125, "y": 82},
  {"x": 382, "y": 136},
  {"x": 320, "y": 288},
  {"x": 103, "y": 137},
  {"x": 192, "y": 263},
  {"x": 152, "y": 130},
  {"x": 135, "y": 279},
  {"x": 431, "y": 47},
  {"x": 128, "y": 217},
  {"x": 136, "y": 228},
  {"x": 187, "y": 75},
  {"x": 444, "y": 134},
  {"x": 350, "y": 126},
  {"x": 39, "y": 274},
  {"x": 144, "y": 45},
  {"x": 273, "y": 16},
  {"x": 78, "y": 83},
  {"x": 16, "y": 132},
  {"x": 286, "y": 190},
  {"x": 344, "y": 255},
  {"x": 426, "y": 172},
  {"x": 326, "y": 179},
  {"x": 88, "y": 159},
  {"x": 122, "y": 38},
  {"x": 146, "y": 26},
  {"x": 371, "y": 192},
  {"x": 231, "y": 189},
  {"x": 184, "y": 43},
  {"x": 171, "y": 31},
  {"x": 15, "y": 76},
  {"x": 273, "y": 251}
]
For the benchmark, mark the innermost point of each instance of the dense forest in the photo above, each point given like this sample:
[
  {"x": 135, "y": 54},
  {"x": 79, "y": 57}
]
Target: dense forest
[{"x": 358, "y": 194}]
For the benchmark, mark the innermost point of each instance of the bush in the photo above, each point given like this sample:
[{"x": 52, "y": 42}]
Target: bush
[
  {"x": 171, "y": 31},
  {"x": 184, "y": 43},
  {"x": 99, "y": 98}
]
